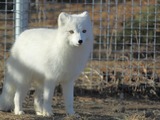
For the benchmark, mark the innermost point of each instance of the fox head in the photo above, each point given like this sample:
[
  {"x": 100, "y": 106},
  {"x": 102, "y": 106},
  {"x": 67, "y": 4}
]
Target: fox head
[{"x": 76, "y": 28}]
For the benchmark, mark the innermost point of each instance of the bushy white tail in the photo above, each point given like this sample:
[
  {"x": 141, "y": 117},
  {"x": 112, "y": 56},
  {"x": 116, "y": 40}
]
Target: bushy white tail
[{"x": 7, "y": 96}]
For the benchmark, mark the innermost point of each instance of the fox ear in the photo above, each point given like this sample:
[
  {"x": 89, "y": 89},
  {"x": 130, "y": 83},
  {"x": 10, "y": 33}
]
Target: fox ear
[
  {"x": 85, "y": 14},
  {"x": 63, "y": 18}
]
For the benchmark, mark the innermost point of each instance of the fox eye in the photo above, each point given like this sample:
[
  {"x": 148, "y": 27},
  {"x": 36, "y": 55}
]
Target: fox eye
[
  {"x": 71, "y": 31},
  {"x": 84, "y": 31}
]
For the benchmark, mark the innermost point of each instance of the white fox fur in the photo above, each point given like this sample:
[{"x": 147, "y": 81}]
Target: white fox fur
[{"x": 43, "y": 58}]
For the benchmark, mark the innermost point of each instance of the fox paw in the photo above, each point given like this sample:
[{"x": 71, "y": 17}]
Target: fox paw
[
  {"x": 39, "y": 113},
  {"x": 18, "y": 112},
  {"x": 47, "y": 113}
]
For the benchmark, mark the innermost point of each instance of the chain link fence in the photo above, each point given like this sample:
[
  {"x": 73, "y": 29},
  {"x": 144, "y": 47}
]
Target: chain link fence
[{"x": 126, "y": 55}]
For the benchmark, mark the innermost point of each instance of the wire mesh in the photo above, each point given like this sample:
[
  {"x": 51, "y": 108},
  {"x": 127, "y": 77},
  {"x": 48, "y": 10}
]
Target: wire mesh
[{"x": 126, "y": 38}]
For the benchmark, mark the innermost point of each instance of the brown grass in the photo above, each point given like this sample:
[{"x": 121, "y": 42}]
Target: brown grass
[{"x": 135, "y": 117}]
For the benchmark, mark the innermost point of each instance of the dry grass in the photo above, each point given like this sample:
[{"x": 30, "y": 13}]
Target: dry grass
[
  {"x": 126, "y": 72},
  {"x": 135, "y": 117}
]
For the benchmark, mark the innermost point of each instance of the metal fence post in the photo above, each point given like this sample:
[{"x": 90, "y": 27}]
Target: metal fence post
[{"x": 21, "y": 16}]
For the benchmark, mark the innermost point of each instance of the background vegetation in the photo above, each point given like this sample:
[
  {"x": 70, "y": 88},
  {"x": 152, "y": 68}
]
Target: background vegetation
[{"x": 126, "y": 45}]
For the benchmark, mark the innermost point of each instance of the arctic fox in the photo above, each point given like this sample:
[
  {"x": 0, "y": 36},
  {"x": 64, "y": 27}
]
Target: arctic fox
[{"x": 43, "y": 58}]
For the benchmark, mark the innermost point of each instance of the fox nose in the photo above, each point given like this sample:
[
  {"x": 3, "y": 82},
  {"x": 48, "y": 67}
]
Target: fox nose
[{"x": 80, "y": 41}]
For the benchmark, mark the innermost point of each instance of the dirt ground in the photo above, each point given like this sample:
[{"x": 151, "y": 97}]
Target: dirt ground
[{"x": 94, "y": 108}]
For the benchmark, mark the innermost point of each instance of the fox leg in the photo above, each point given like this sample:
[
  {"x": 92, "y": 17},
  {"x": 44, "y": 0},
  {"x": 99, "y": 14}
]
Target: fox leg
[
  {"x": 49, "y": 86},
  {"x": 38, "y": 99},
  {"x": 20, "y": 95},
  {"x": 68, "y": 88}
]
